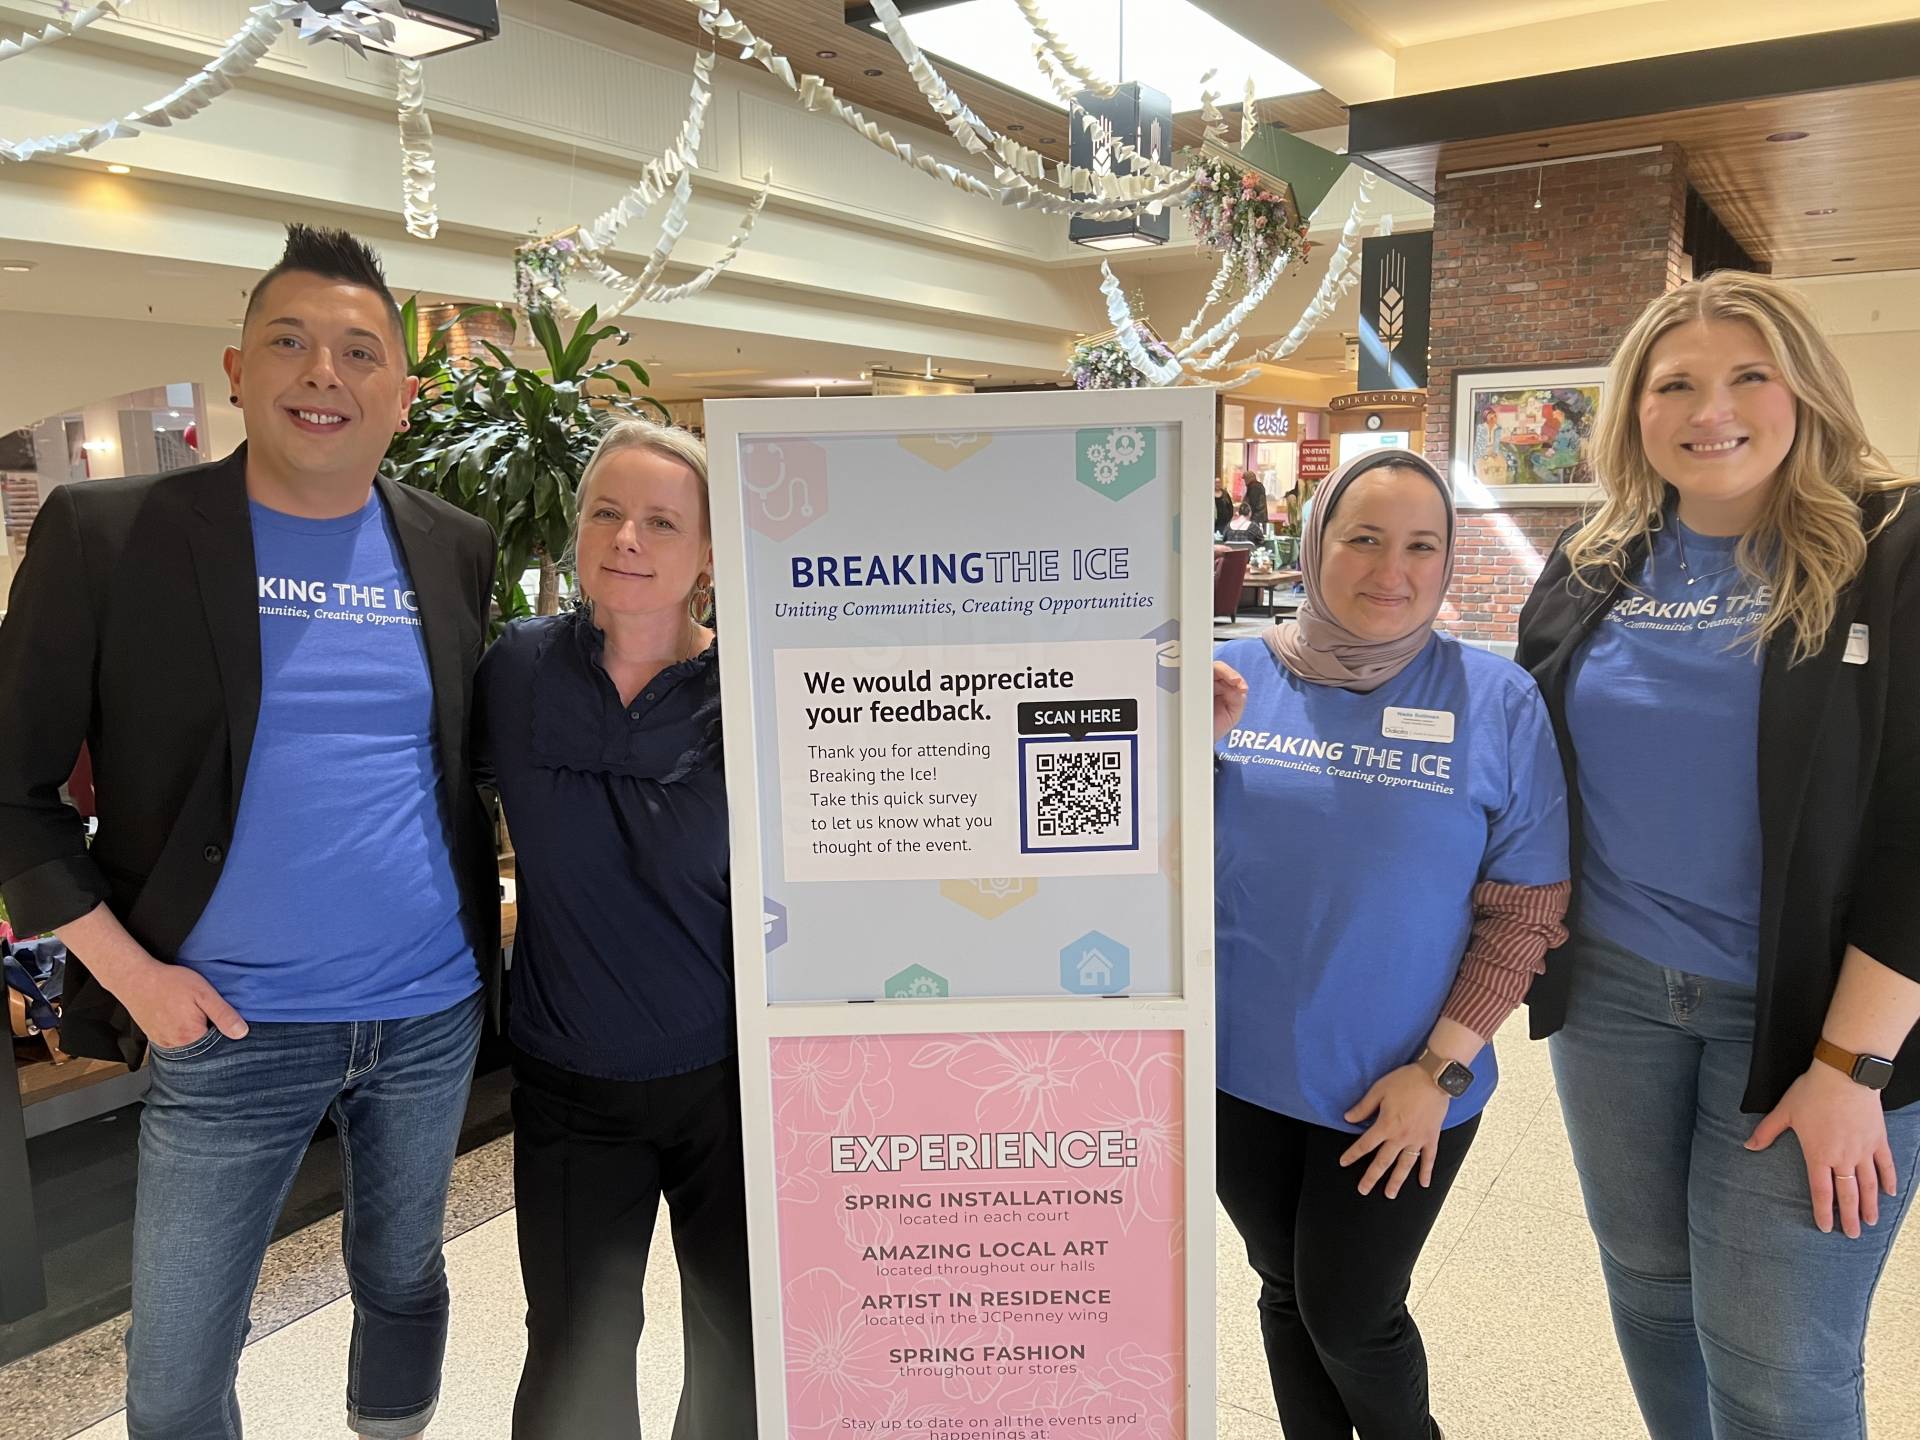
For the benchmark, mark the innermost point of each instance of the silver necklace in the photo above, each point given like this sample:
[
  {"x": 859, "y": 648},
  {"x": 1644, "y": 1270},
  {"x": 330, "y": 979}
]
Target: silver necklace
[{"x": 1679, "y": 539}]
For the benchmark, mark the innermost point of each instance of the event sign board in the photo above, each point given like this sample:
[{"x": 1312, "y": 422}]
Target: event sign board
[{"x": 975, "y": 1003}]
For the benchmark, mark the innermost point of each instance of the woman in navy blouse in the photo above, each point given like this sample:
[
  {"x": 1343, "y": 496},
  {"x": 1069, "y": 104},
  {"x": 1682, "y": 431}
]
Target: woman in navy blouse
[{"x": 602, "y": 727}]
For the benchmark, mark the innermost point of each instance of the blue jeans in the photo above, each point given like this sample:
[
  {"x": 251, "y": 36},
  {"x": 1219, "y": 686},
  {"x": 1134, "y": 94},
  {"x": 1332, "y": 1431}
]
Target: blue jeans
[
  {"x": 1737, "y": 1319},
  {"x": 225, "y": 1127}
]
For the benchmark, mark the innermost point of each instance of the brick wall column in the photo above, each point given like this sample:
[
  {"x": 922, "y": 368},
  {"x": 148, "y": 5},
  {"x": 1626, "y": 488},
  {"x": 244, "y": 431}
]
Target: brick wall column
[
  {"x": 1514, "y": 286},
  {"x": 20, "y": 501}
]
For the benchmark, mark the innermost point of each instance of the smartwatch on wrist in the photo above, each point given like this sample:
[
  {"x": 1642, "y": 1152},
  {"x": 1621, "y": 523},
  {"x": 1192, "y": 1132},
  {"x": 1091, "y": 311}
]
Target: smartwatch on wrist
[
  {"x": 1872, "y": 1071},
  {"x": 1450, "y": 1075}
]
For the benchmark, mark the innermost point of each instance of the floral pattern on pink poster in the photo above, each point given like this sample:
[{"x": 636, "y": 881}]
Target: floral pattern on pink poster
[{"x": 982, "y": 1235}]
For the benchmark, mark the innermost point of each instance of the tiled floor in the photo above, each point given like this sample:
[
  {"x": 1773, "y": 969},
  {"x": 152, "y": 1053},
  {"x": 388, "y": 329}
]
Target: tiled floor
[{"x": 1508, "y": 1295}]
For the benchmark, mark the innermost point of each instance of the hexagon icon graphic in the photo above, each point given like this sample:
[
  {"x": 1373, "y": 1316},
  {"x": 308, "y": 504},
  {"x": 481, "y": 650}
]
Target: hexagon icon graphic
[
  {"x": 1166, "y": 666},
  {"x": 773, "y": 923},
  {"x": 989, "y": 899},
  {"x": 783, "y": 486},
  {"x": 1095, "y": 964},
  {"x": 916, "y": 982},
  {"x": 1115, "y": 460},
  {"x": 946, "y": 450}
]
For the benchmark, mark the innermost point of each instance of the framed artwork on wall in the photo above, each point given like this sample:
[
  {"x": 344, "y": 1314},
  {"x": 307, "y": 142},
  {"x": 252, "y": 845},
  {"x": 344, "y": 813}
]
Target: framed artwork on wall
[{"x": 1521, "y": 437}]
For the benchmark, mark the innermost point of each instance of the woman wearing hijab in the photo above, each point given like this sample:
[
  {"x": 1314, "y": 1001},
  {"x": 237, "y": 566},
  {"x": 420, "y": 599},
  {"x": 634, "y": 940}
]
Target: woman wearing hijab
[{"x": 1417, "y": 783}]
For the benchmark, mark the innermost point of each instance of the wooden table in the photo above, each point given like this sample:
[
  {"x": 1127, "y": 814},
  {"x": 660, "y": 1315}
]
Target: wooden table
[{"x": 1265, "y": 583}]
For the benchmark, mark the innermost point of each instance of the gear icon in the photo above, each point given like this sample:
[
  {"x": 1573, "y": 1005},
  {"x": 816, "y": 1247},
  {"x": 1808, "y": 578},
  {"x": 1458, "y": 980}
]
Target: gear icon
[
  {"x": 1105, "y": 472},
  {"x": 1126, "y": 445}
]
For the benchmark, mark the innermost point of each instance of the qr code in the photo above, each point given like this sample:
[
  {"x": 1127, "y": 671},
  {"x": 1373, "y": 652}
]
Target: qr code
[{"x": 1079, "y": 795}]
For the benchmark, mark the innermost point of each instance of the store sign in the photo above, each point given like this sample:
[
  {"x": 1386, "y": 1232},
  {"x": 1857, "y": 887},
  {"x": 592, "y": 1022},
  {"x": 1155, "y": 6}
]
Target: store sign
[
  {"x": 1316, "y": 459},
  {"x": 1272, "y": 424},
  {"x": 957, "y": 787},
  {"x": 1377, "y": 399}
]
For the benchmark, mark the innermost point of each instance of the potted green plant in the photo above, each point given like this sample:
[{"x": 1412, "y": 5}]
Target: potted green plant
[{"x": 508, "y": 442}]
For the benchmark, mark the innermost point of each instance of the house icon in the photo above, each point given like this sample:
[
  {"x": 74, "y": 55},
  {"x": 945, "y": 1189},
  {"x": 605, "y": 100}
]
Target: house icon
[{"x": 1095, "y": 964}]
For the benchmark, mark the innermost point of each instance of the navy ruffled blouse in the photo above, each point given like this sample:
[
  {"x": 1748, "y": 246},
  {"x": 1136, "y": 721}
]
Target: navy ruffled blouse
[{"x": 623, "y": 955}]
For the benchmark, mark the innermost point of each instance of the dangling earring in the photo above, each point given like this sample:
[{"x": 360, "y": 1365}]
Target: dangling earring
[{"x": 700, "y": 602}]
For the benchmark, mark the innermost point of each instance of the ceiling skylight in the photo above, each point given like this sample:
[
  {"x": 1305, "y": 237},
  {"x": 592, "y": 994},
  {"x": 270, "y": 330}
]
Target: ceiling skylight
[{"x": 1169, "y": 44}]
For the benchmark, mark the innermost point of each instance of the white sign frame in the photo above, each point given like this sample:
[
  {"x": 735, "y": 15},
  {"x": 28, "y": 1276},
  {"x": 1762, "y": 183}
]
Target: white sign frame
[{"x": 1191, "y": 1013}]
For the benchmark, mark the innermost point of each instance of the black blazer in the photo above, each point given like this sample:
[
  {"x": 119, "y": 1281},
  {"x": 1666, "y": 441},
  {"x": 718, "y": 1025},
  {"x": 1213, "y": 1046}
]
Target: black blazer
[
  {"x": 1839, "y": 775},
  {"x": 134, "y": 626}
]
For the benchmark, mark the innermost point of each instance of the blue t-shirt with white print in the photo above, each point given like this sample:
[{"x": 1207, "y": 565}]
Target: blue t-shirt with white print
[
  {"x": 1350, "y": 830},
  {"x": 1663, "y": 703},
  {"x": 338, "y": 899}
]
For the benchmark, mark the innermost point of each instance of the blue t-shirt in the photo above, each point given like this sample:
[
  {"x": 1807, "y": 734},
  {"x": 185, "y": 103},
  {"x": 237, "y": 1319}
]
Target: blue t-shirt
[
  {"x": 1663, "y": 703},
  {"x": 1350, "y": 831},
  {"x": 338, "y": 900}
]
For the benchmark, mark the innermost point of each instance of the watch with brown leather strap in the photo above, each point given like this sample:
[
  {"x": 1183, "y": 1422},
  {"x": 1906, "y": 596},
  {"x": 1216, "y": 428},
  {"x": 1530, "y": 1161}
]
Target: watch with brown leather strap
[
  {"x": 1872, "y": 1071},
  {"x": 1450, "y": 1075}
]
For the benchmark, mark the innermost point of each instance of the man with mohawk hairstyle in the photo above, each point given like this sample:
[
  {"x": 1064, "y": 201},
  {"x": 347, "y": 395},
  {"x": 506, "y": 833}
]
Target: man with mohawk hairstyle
[{"x": 291, "y": 905}]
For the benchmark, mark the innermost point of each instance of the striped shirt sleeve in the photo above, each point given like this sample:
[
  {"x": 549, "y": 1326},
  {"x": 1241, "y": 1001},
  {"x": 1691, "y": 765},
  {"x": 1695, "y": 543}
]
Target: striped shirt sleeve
[{"x": 1513, "y": 928}]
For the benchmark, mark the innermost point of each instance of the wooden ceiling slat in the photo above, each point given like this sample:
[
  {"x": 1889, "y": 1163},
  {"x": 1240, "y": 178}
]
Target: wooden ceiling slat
[
  {"x": 800, "y": 29},
  {"x": 1859, "y": 159}
]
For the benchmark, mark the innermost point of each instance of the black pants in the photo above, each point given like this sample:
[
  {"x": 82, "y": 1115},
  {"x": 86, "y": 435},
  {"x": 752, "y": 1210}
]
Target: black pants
[
  {"x": 591, "y": 1160},
  {"x": 1334, "y": 1268}
]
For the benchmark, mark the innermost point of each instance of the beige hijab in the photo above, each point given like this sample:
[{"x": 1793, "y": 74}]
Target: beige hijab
[{"x": 1314, "y": 645}]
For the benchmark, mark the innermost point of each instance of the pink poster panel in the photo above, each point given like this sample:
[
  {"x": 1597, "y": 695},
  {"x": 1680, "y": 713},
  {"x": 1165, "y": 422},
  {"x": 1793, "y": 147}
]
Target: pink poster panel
[{"x": 982, "y": 1235}]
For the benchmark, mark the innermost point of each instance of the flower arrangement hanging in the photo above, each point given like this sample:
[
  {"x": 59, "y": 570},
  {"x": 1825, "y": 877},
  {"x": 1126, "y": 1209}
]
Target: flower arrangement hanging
[
  {"x": 540, "y": 269},
  {"x": 1100, "y": 362},
  {"x": 1236, "y": 209}
]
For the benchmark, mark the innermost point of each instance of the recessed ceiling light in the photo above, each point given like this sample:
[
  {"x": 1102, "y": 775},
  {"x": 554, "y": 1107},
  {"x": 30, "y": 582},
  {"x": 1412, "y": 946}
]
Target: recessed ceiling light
[
  {"x": 873, "y": 72},
  {"x": 1779, "y": 136},
  {"x": 828, "y": 54},
  {"x": 119, "y": 169},
  {"x": 1828, "y": 211},
  {"x": 16, "y": 267},
  {"x": 1016, "y": 129}
]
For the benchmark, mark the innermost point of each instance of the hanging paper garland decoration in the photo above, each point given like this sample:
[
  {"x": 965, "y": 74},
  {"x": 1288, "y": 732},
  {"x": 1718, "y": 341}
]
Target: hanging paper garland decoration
[
  {"x": 661, "y": 173},
  {"x": 1051, "y": 51},
  {"x": 666, "y": 295},
  {"x": 61, "y": 29},
  {"x": 1014, "y": 163},
  {"x": 416, "y": 153},
  {"x": 1126, "y": 333},
  {"x": 243, "y": 51},
  {"x": 816, "y": 95},
  {"x": 1343, "y": 272},
  {"x": 1210, "y": 116},
  {"x": 1229, "y": 263}
]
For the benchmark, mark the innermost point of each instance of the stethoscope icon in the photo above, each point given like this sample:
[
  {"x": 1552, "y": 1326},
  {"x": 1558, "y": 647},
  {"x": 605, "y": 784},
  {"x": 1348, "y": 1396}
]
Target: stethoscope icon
[{"x": 794, "y": 488}]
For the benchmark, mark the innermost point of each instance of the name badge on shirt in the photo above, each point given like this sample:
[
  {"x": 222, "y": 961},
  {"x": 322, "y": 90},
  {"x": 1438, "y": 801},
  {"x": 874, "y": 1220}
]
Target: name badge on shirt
[
  {"x": 1401, "y": 723},
  {"x": 1856, "y": 645}
]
